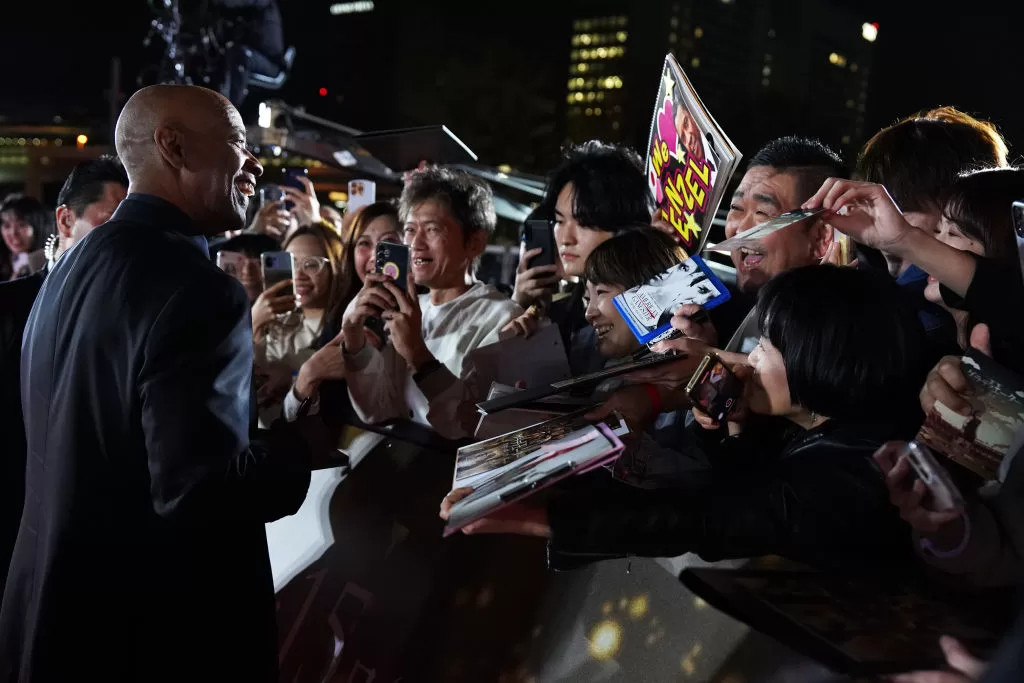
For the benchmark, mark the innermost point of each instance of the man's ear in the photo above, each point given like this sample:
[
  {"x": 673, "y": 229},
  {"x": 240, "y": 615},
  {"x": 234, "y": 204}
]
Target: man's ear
[
  {"x": 478, "y": 243},
  {"x": 821, "y": 235},
  {"x": 65, "y": 220},
  {"x": 170, "y": 145}
]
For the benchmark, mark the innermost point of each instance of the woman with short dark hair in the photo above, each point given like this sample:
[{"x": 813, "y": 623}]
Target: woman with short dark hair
[{"x": 835, "y": 376}]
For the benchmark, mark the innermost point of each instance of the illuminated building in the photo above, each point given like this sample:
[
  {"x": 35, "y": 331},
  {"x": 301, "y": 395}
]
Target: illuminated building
[{"x": 764, "y": 68}]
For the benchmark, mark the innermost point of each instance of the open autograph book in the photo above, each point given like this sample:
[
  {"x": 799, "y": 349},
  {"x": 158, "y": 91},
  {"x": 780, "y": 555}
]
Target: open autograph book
[{"x": 510, "y": 467}]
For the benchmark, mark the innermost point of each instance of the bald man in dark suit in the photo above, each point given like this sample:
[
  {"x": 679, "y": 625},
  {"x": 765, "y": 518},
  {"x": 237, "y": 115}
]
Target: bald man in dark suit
[{"x": 141, "y": 554}]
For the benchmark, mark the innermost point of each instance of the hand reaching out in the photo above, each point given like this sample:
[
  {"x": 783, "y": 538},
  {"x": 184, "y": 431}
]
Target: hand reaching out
[
  {"x": 307, "y": 206},
  {"x": 271, "y": 303},
  {"x": 516, "y": 518},
  {"x": 864, "y": 211}
]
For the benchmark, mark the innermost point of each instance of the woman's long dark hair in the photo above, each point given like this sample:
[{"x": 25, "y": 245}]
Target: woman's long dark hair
[{"x": 334, "y": 248}]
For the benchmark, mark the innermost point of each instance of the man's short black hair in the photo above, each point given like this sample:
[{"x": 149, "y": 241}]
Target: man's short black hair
[
  {"x": 85, "y": 184},
  {"x": 811, "y": 160},
  {"x": 469, "y": 199},
  {"x": 919, "y": 158},
  {"x": 851, "y": 344},
  {"x": 31, "y": 211},
  {"x": 609, "y": 185},
  {"x": 632, "y": 258}
]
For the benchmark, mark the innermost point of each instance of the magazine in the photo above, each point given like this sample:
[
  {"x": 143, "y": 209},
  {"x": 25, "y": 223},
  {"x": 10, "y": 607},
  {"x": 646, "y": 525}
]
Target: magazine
[
  {"x": 979, "y": 441},
  {"x": 648, "y": 308},
  {"x": 548, "y": 462},
  {"x": 689, "y": 159},
  {"x": 484, "y": 459}
]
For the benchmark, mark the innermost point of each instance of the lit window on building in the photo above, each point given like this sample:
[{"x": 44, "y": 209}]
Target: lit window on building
[
  {"x": 600, "y": 97},
  {"x": 621, "y": 36},
  {"x": 591, "y": 96},
  {"x": 698, "y": 32},
  {"x": 695, "y": 62},
  {"x": 837, "y": 59},
  {"x": 854, "y": 67},
  {"x": 569, "y": 98},
  {"x": 582, "y": 68},
  {"x": 765, "y": 82},
  {"x": 672, "y": 37},
  {"x": 766, "y": 70},
  {"x": 578, "y": 96},
  {"x": 602, "y": 52},
  {"x": 589, "y": 111},
  {"x": 846, "y": 139},
  {"x": 597, "y": 111},
  {"x": 615, "y": 125},
  {"x": 869, "y": 32},
  {"x": 674, "y": 22},
  {"x": 850, "y": 104}
]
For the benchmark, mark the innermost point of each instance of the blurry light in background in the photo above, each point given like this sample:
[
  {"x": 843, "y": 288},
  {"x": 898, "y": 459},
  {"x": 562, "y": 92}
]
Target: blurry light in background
[
  {"x": 605, "y": 640},
  {"x": 264, "y": 115},
  {"x": 82, "y": 139},
  {"x": 869, "y": 31},
  {"x": 323, "y": 92},
  {"x": 337, "y": 196},
  {"x": 504, "y": 168},
  {"x": 351, "y": 7}
]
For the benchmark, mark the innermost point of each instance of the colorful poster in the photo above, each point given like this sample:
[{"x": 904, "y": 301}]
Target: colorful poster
[{"x": 689, "y": 159}]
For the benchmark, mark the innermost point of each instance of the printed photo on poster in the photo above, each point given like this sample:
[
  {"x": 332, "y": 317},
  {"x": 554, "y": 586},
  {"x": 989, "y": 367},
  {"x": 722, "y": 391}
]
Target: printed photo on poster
[{"x": 689, "y": 159}]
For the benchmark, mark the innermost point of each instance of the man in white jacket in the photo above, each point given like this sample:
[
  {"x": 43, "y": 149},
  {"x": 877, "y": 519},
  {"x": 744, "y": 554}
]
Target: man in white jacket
[{"x": 422, "y": 373}]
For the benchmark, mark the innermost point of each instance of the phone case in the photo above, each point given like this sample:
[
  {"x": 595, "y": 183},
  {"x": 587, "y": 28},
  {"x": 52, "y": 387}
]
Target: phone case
[
  {"x": 393, "y": 260},
  {"x": 276, "y": 267},
  {"x": 944, "y": 492},
  {"x": 540, "y": 235},
  {"x": 714, "y": 388}
]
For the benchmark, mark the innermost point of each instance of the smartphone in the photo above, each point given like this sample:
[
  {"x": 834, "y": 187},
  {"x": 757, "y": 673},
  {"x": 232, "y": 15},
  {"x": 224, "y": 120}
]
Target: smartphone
[
  {"x": 714, "y": 388},
  {"x": 1018, "y": 217},
  {"x": 270, "y": 193},
  {"x": 944, "y": 493},
  {"x": 540, "y": 234},
  {"x": 231, "y": 262},
  {"x": 393, "y": 261},
  {"x": 277, "y": 267},
  {"x": 361, "y": 193},
  {"x": 291, "y": 176}
]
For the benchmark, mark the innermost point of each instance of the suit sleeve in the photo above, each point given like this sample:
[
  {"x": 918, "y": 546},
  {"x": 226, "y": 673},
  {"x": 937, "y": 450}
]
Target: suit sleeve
[{"x": 194, "y": 384}]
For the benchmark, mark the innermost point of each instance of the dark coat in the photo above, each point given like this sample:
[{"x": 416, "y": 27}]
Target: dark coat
[
  {"x": 141, "y": 554},
  {"x": 16, "y": 299},
  {"x": 815, "y": 496}
]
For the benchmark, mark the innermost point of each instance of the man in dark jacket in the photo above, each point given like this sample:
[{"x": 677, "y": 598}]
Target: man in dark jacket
[
  {"x": 88, "y": 198},
  {"x": 141, "y": 553}
]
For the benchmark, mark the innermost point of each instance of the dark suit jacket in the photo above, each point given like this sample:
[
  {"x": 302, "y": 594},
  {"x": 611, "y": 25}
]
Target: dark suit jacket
[
  {"x": 16, "y": 299},
  {"x": 141, "y": 554}
]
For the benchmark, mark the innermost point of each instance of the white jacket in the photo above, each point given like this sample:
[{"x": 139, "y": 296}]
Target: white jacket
[{"x": 380, "y": 383}]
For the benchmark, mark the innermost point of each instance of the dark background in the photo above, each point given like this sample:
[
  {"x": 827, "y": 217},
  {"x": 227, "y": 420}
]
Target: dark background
[{"x": 56, "y": 62}]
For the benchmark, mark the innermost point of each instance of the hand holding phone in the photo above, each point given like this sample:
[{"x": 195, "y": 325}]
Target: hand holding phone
[
  {"x": 911, "y": 494},
  {"x": 714, "y": 389},
  {"x": 277, "y": 267},
  {"x": 392, "y": 261}
]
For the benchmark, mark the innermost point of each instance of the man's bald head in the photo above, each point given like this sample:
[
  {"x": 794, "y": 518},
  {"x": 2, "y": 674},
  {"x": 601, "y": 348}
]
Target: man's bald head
[{"x": 186, "y": 144}]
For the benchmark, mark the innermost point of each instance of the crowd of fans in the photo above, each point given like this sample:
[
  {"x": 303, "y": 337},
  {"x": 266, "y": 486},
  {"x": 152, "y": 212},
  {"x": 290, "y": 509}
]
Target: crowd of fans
[{"x": 840, "y": 363}]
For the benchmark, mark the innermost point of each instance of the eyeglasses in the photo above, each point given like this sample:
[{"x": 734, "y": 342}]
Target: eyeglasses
[{"x": 312, "y": 265}]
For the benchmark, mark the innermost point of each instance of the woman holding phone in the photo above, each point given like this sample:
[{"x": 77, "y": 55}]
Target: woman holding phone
[
  {"x": 374, "y": 223},
  {"x": 792, "y": 472}
]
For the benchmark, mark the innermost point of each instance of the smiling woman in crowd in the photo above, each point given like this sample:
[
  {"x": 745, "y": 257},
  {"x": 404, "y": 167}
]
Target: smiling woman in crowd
[
  {"x": 284, "y": 341},
  {"x": 24, "y": 225},
  {"x": 796, "y": 477}
]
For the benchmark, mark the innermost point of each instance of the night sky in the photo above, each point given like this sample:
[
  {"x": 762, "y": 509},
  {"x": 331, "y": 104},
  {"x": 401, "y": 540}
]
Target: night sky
[{"x": 56, "y": 56}]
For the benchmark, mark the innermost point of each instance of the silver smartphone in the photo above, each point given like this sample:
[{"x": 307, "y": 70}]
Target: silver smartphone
[{"x": 944, "y": 493}]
